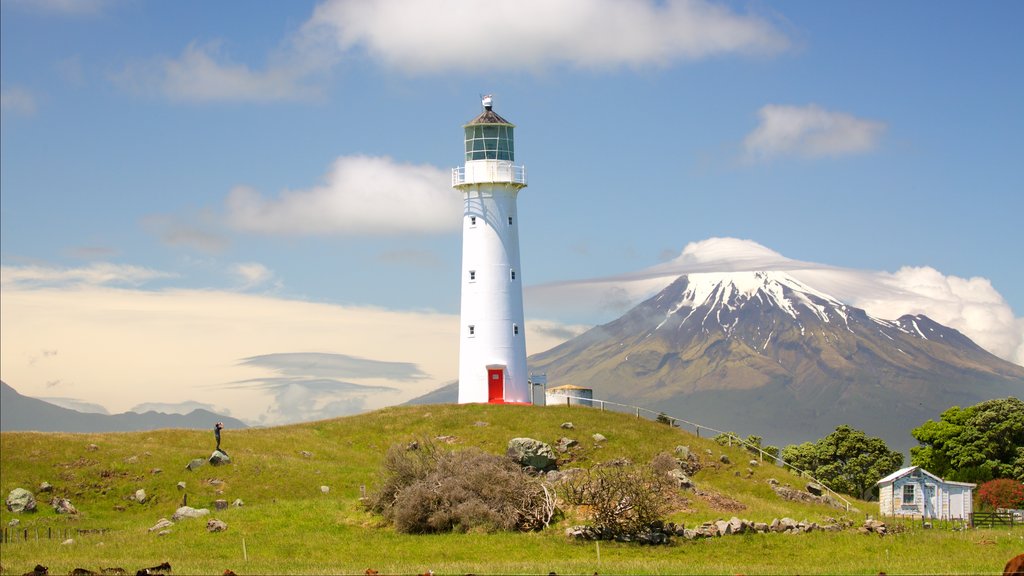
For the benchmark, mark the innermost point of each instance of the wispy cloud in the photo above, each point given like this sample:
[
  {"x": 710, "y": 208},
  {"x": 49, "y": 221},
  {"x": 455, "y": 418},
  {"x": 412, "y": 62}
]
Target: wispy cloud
[
  {"x": 326, "y": 365},
  {"x": 200, "y": 230},
  {"x": 970, "y": 305},
  {"x": 100, "y": 273},
  {"x": 205, "y": 73},
  {"x": 17, "y": 100},
  {"x": 445, "y": 35},
  {"x": 361, "y": 195},
  {"x": 251, "y": 274},
  {"x": 810, "y": 131}
]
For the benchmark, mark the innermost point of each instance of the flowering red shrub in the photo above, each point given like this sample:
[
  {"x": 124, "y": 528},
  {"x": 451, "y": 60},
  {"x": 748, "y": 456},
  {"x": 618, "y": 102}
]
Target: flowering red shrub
[{"x": 1002, "y": 493}]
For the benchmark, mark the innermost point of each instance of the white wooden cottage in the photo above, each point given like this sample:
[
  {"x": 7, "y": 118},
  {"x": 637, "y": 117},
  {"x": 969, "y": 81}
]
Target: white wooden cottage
[
  {"x": 569, "y": 395},
  {"x": 917, "y": 493}
]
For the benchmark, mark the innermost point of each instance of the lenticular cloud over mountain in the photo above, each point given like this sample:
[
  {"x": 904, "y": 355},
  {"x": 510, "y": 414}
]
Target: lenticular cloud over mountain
[{"x": 970, "y": 305}]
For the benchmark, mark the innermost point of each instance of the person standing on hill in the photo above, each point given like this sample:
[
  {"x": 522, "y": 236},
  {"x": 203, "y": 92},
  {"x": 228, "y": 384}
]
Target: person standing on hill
[{"x": 216, "y": 434}]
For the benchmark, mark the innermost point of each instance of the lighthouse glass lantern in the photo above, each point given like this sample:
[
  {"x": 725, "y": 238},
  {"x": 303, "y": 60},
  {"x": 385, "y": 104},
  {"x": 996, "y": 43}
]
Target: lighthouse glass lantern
[{"x": 492, "y": 346}]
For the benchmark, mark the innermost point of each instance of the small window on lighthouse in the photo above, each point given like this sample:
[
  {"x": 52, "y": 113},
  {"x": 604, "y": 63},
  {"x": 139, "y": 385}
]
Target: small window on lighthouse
[
  {"x": 472, "y": 330},
  {"x": 509, "y": 220},
  {"x": 515, "y": 329},
  {"x": 472, "y": 275},
  {"x": 472, "y": 220},
  {"x": 512, "y": 274}
]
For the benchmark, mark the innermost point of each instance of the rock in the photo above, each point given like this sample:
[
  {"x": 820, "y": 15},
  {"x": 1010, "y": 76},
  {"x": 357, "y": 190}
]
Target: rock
[
  {"x": 14, "y": 522},
  {"x": 568, "y": 426},
  {"x": 220, "y": 504},
  {"x": 218, "y": 458},
  {"x": 760, "y": 527},
  {"x": 195, "y": 463},
  {"x": 155, "y": 471},
  {"x": 814, "y": 489},
  {"x": 723, "y": 527},
  {"x": 67, "y": 542},
  {"x": 325, "y": 489},
  {"x": 598, "y": 438},
  {"x": 189, "y": 512},
  {"x": 20, "y": 500},
  {"x": 238, "y": 503},
  {"x": 92, "y": 447},
  {"x": 528, "y": 452},
  {"x": 181, "y": 485},
  {"x": 63, "y": 506},
  {"x": 683, "y": 452},
  {"x": 306, "y": 454},
  {"x": 737, "y": 526},
  {"x": 773, "y": 482},
  {"x": 480, "y": 424},
  {"x": 161, "y": 524},
  {"x": 564, "y": 444},
  {"x": 45, "y": 487},
  {"x": 754, "y": 463},
  {"x": 214, "y": 525},
  {"x": 680, "y": 478},
  {"x": 163, "y": 533},
  {"x": 131, "y": 460},
  {"x": 724, "y": 459},
  {"x": 139, "y": 496}
]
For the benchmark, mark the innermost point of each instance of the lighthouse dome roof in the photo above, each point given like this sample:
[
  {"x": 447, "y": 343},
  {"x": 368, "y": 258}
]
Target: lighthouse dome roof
[{"x": 489, "y": 117}]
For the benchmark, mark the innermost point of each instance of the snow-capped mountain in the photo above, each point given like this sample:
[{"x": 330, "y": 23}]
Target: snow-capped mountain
[{"x": 763, "y": 353}]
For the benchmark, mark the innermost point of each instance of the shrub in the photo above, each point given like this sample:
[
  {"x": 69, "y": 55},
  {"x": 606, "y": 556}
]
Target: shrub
[
  {"x": 621, "y": 499},
  {"x": 1002, "y": 493},
  {"x": 424, "y": 489}
]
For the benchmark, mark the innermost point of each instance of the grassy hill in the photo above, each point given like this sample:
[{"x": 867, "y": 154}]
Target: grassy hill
[{"x": 288, "y": 525}]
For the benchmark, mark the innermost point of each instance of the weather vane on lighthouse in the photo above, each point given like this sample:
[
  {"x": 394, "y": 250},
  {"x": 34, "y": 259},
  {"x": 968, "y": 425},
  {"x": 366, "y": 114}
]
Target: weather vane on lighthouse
[{"x": 492, "y": 346}]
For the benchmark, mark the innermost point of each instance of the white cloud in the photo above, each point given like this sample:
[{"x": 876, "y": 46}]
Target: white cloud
[
  {"x": 360, "y": 195},
  {"x": 810, "y": 131},
  {"x": 17, "y": 100},
  {"x": 251, "y": 274},
  {"x": 203, "y": 73},
  {"x": 970, "y": 305},
  {"x": 416, "y": 36},
  {"x": 100, "y": 273}
]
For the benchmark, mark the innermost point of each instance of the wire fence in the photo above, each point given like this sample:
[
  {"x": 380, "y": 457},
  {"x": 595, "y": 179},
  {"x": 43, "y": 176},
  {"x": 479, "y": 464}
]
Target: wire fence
[{"x": 673, "y": 421}]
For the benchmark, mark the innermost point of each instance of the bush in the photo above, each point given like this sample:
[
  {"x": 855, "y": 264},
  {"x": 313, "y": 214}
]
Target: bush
[
  {"x": 424, "y": 489},
  {"x": 621, "y": 499},
  {"x": 1002, "y": 493}
]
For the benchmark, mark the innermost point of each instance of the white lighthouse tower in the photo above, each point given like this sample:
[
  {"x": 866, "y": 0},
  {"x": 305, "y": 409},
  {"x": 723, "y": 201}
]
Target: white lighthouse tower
[{"x": 492, "y": 348}]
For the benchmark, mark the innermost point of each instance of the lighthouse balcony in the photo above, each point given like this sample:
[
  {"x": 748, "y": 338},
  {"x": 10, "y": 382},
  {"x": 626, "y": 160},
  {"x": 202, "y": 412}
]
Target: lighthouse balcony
[{"x": 488, "y": 171}]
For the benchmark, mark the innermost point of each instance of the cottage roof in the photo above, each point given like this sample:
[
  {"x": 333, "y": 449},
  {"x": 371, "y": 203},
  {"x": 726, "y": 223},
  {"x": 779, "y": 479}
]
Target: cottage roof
[
  {"x": 905, "y": 471},
  {"x": 568, "y": 387}
]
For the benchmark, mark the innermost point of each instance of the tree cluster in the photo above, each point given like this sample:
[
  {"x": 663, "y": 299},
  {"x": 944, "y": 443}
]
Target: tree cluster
[
  {"x": 847, "y": 460},
  {"x": 1002, "y": 493},
  {"x": 974, "y": 444},
  {"x": 622, "y": 499}
]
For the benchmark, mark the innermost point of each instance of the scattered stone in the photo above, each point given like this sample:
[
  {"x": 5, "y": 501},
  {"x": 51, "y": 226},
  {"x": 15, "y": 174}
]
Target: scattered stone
[
  {"x": 680, "y": 478},
  {"x": 564, "y": 444},
  {"x": 754, "y": 463},
  {"x": 161, "y": 524},
  {"x": 220, "y": 504},
  {"x": 598, "y": 438},
  {"x": 325, "y": 489},
  {"x": 20, "y": 500},
  {"x": 14, "y": 522},
  {"x": 45, "y": 487},
  {"x": 163, "y": 533},
  {"x": 63, "y": 506},
  {"x": 67, "y": 542},
  {"x": 181, "y": 485},
  {"x": 814, "y": 489},
  {"x": 724, "y": 459},
  {"x": 195, "y": 463},
  {"x": 218, "y": 458},
  {"x": 189, "y": 512},
  {"x": 214, "y": 525},
  {"x": 872, "y": 526},
  {"x": 683, "y": 452},
  {"x": 238, "y": 503},
  {"x": 708, "y": 451},
  {"x": 131, "y": 460},
  {"x": 447, "y": 439},
  {"x": 480, "y": 424},
  {"x": 155, "y": 471},
  {"x": 139, "y": 496},
  {"x": 528, "y": 452},
  {"x": 568, "y": 426},
  {"x": 92, "y": 447},
  {"x": 306, "y": 454}
]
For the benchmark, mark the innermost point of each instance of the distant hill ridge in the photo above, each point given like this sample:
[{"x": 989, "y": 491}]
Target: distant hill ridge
[{"x": 19, "y": 412}]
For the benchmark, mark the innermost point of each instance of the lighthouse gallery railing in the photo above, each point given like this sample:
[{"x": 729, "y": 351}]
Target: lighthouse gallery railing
[{"x": 490, "y": 172}]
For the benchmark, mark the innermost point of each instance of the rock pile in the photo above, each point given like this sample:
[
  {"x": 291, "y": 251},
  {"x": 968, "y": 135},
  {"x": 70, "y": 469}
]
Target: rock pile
[
  {"x": 872, "y": 526},
  {"x": 661, "y": 533},
  {"x": 531, "y": 453}
]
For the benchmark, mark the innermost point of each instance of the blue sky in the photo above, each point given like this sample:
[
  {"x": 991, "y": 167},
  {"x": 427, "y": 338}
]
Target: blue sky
[{"x": 168, "y": 162}]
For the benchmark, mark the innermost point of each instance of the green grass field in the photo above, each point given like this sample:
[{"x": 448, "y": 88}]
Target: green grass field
[{"x": 289, "y": 526}]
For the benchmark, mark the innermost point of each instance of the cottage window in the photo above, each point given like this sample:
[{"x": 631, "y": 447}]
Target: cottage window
[{"x": 908, "y": 494}]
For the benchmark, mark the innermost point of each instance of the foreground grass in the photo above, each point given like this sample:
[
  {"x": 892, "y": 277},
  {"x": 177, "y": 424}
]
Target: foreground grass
[{"x": 288, "y": 526}]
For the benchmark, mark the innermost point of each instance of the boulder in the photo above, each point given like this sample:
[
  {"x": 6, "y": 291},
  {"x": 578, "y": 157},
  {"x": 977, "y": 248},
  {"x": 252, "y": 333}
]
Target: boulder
[
  {"x": 63, "y": 506},
  {"x": 214, "y": 525},
  {"x": 306, "y": 454},
  {"x": 220, "y": 504},
  {"x": 683, "y": 452},
  {"x": 598, "y": 438},
  {"x": 568, "y": 425},
  {"x": 181, "y": 485},
  {"x": 814, "y": 489},
  {"x": 238, "y": 503},
  {"x": 20, "y": 500},
  {"x": 680, "y": 478},
  {"x": 218, "y": 458},
  {"x": 161, "y": 524},
  {"x": 46, "y": 487},
  {"x": 195, "y": 463},
  {"x": 139, "y": 496},
  {"x": 531, "y": 453},
  {"x": 724, "y": 459},
  {"x": 723, "y": 527},
  {"x": 325, "y": 489},
  {"x": 564, "y": 444},
  {"x": 189, "y": 512}
]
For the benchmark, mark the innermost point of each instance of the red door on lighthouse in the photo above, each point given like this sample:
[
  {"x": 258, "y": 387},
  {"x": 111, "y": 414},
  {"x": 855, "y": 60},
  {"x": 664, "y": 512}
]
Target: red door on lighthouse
[{"x": 495, "y": 385}]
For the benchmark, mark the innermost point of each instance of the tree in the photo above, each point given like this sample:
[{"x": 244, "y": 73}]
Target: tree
[
  {"x": 1002, "y": 493},
  {"x": 847, "y": 460},
  {"x": 974, "y": 444}
]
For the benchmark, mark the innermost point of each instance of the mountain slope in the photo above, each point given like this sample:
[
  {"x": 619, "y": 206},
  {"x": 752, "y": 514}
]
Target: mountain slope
[
  {"x": 18, "y": 412},
  {"x": 762, "y": 353}
]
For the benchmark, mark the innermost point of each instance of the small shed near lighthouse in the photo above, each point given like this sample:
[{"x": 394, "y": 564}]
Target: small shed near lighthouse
[{"x": 914, "y": 492}]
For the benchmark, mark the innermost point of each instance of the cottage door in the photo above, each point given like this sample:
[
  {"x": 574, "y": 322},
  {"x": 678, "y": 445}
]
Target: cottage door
[
  {"x": 931, "y": 501},
  {"x": 956, "y": 505}
]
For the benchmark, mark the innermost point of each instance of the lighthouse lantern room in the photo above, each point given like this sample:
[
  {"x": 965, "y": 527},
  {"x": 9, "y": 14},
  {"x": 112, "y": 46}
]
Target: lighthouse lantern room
[{"x": 492, "y": 347}]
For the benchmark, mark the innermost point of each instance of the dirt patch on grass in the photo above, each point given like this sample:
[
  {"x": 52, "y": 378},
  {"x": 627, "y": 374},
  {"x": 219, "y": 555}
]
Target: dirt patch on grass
[{"x": 718, "y": 501}]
